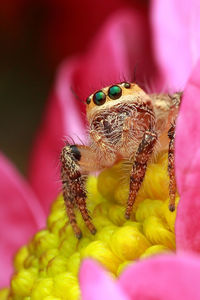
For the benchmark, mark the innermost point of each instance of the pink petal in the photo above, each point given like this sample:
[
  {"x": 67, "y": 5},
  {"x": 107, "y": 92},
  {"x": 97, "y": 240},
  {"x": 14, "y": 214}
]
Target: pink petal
[
  {"x": 62, "y": 122},
  {"x": 163, "y": 278},
  {"x": 20, "y": 216},
  {"x": 121, "y": 43},
  {"x": 96, "y": 284},
  {"x": 188, "y": 166},
  {"x": 62, "y": 16},
  {"x": 176, "y": 28}
]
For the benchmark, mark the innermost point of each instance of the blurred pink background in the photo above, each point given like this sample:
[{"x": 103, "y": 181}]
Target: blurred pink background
[{"x": 35, "y": 36}]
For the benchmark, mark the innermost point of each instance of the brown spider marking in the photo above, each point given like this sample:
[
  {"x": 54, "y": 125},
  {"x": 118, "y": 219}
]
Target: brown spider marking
[{"x": 124, "y": 123}]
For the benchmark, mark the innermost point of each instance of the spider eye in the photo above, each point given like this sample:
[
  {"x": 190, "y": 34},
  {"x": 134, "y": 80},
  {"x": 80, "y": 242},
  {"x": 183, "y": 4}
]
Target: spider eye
[
  {"x": 99, "y": 98},
  {"x": 127, "y": 85},
  {"x": 88, "y": 100},
  {"x": 114, "y": 92}
]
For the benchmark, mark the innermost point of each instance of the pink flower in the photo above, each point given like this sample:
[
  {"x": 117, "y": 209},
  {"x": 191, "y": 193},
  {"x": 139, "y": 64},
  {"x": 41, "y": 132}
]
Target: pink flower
[
  {"x": 21, "y": 215},
  {"x": 166, "y": 56},
  {"x": 166, "y": 277}
]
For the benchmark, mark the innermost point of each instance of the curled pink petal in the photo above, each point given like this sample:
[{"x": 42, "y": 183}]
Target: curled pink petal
[
  {"x": 20, "y": 216},
  {"x": 121, "y": 44},
  {"x": 175, "y": 26},
  {"x": 96, "y": 284},
  {"x": 188, "y": 166},
  {"x": 166, "y": 277}
]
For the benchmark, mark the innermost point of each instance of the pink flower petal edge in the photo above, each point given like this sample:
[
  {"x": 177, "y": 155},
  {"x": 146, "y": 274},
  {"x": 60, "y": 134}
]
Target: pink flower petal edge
[
  {"x": 110, "y": 58},
  {"x": 96, "y": 284},
  {"x": 188, "y": 166},
  {"x": 176, "y": 39},
  {"x": 20, "y": 215},
  {"x": 164, "y": 277}
]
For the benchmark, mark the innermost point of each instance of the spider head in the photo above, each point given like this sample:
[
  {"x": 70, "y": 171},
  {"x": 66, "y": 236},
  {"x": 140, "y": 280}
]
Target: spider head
[{"x": 111, "y": 95}]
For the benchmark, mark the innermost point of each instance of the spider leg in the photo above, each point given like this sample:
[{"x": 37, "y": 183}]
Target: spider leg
[
  {"x": 74, "y": 165},
  {"x": 169, "y": 104},
  {"x": 69, "y": 202},
  {"x": 171, "y": 168},
  {"x": 138, "y": 171},
  {"x": 81, "y": 202}
]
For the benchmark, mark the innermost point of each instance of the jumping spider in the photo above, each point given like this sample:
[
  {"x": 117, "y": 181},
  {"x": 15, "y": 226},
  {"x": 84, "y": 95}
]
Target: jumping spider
[{"x": 125, "y": 124}]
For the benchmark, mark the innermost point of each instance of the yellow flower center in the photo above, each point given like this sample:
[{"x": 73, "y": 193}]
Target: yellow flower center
[{"x": 48, "y": 266}]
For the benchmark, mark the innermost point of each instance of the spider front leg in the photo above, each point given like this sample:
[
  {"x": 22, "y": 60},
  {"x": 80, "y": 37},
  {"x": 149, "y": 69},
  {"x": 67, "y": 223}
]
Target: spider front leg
[
  {"x": 74, "y": 165},
  {"x": 171, "y": 168},
  {"x": 138, "y": 171}
]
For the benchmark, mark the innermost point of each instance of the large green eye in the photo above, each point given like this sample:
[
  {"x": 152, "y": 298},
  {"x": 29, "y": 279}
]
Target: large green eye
[
  {"x": 114, "y": 92},
  {"x": 99, "y": 98}
]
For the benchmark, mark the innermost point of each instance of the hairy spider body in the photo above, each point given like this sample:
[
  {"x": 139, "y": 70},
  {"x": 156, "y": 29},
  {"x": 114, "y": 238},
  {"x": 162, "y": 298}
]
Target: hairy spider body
[
  {"x": 122, "y": 126},
  {"x": 125, "y": 123}
]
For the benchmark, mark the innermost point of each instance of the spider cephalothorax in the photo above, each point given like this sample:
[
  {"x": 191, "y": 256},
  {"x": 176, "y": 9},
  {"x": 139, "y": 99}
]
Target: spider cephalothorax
[{"x": 124, "y": 123}]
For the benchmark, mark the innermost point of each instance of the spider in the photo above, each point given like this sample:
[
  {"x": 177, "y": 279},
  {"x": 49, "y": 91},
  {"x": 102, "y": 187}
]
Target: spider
[{"x": 125, "y": 123}]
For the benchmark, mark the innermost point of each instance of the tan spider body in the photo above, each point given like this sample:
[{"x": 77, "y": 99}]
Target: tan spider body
[{"x": 125, "y": 123}]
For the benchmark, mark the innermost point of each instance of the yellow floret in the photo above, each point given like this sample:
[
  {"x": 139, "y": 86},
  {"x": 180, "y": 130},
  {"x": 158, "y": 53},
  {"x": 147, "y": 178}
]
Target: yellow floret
[
  {"x": 20, "y": 257},
  {"x": 153, "y": 250},
  {"x": 66, "y": 286},
  {"x": 42, "y": 288},
  {"x": 47, "y": 268},
  {"x": 73, "y": 263},
  {"x": 23, "y": 281},
  {"x": 101, "y": 252},
  {"x": 123, "y": 266},
  {"x": 148, "y": 208},
  {"x": 128, "y": 243},
  {"x": 4, "y": 294},
  {"x": 169, "y": 216},
  {"x": 158, "y": 233}
]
